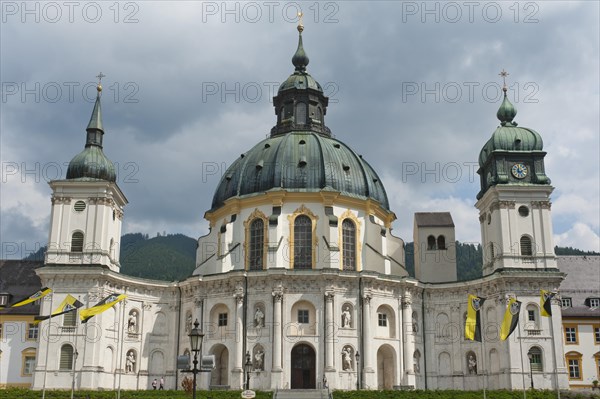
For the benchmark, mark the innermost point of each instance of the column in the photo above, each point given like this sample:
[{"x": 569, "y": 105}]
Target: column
[
  {"x": 276, "y": 370},
  {"x": 367, "y": 333},
  {"x": 329, "y": 331},
  {"x": 369, "y": 379},
  {"x": 239, "y": 341},
  {"x": 409, "y": 343}
]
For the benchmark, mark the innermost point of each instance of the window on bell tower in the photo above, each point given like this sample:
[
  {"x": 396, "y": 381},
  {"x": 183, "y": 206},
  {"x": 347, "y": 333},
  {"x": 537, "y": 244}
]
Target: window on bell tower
[
  {"x": 77, "y": 242},
  {"x": 526, "y": 247}
]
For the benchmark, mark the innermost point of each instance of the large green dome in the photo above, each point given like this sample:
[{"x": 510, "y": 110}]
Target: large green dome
[
  {"x": 300, "y": 155},
  {"x": 300, "y": 162}
]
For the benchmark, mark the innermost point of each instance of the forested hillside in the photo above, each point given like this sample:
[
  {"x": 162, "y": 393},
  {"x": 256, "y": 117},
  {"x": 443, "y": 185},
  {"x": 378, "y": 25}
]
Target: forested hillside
[{"x": 172, "y": 257}]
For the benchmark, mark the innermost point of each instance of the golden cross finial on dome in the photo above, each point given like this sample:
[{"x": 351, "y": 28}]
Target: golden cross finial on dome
[
  {"x": 504, "y": 74},
  {"x": 300, "y": 25},
  {"x": 99, "y": 86}
]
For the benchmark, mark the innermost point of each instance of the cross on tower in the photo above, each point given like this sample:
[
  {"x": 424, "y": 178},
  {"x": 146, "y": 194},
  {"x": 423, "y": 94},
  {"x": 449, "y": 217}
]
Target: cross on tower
[
  {"x": 504, "y": 74},
  {"x": 100, "y": 76}
]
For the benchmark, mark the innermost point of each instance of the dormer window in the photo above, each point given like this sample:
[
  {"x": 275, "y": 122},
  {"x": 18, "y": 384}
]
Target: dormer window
[
  {"x": 593, "y": 302},
  {"x": 566, "y": 302},
  {"x": 4, "y": 297}
]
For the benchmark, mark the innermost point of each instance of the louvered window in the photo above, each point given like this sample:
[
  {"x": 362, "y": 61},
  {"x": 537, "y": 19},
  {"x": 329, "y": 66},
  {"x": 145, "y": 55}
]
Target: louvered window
[
  {"x": 77, "y": 242},
  {"x": 66, "y": 357},
  {"x": 526, "y": 248}
]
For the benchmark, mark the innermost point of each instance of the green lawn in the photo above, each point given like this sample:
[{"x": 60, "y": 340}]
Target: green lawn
[{"x": 15, "y": 393}]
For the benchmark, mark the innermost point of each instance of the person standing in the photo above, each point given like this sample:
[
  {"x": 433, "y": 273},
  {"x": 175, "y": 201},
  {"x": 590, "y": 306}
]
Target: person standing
[
  {"x": 154, "y": 383},
  {"x": 162, "y": 383}
]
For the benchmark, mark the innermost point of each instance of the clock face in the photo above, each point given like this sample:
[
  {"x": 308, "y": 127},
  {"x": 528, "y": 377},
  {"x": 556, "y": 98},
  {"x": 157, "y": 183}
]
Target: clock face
[{"x": 519, "y": 170}]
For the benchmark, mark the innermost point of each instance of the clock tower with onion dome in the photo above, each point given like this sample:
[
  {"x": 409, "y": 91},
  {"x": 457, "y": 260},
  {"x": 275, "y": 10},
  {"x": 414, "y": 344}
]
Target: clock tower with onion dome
[{"x": 514, "y": 201}]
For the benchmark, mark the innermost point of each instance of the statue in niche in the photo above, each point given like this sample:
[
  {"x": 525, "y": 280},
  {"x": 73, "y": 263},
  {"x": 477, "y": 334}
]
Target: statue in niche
[
  {"x": 415, "y": 327},
  {"x": 188, "y": 323},
  {"x": 259, "y": 318},
  {"x": 130, "y": 362},
  {"x": 132, "y": 322},
  {"x": 347, "y": 359},
  {"x": 346, "y": 317},
  {"x": 472, "y": 364},
  {"x": 259, "y": 358}
]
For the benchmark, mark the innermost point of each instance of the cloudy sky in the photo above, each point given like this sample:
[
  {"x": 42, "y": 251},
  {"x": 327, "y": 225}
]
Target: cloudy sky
[{"x": 413, "y": 87}]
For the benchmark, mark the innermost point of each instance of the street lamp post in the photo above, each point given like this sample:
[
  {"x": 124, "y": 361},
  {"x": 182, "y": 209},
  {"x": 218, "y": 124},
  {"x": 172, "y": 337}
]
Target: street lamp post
[
  {"x": 248, "y": 369},
  {"x": 357, "y": 356},
  {"x": 196, "y": 337},
  {"x": 530, "y": 356}
]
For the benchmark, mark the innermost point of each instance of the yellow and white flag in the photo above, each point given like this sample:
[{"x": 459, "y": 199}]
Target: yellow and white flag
[
  {"x": 100, "y": 307},
  {"x": 32, "y": 298},
  {"x": 69, "y": 304},
  {"x": 473, "y": 323},
  {"x": 511, "y": 318}
]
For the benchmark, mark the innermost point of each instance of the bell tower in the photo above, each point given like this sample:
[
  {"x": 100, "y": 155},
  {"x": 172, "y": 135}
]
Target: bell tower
[
  {"x": 514, "y": 201},
  {"x": 87, "y": 207}
]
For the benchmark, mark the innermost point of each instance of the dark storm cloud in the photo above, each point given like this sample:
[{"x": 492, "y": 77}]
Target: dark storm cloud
[{"x": 180, "y": 99}]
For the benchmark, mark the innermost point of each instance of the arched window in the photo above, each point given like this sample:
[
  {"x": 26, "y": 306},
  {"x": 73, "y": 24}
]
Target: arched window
[
  {"x": 77, "y": 242},
  {"x": 256, "y": 245},
  {"x": 66, "y": 357},
  {"x": 441, "y": 242},
  {"x": 526, "y": 247},
  {"x": 535, "y": 359},
  {"x": 302, "y": 242},
  {"x": 348, "y": 245},
  {"x": 301, "y": 114},
  {"x": 431, "y": 242}
]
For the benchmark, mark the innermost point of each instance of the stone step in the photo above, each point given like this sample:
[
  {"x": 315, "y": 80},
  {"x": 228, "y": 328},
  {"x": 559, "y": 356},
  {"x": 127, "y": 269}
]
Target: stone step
[{"x": 301, "y": 394}]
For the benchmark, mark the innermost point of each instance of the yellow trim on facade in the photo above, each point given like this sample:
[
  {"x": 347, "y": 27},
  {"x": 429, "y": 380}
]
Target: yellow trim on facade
[
  {"x": 303, "y": 210},
  {"x": 277, "y": 198},
  {"x": 256, "y": 214},
  {"x": 597, "y": 359},
  {"x": 576, "y": 334},
  {"x": 25, "y": 353},
  {"x": 348, "y": 214},
  {"x": 574, "y": 356}
]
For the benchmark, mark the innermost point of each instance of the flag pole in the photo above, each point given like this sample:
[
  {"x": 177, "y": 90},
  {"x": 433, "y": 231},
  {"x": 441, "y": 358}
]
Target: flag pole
[
  {"x": 47, "y": 351},
  {"x": 554, "y": 354},
  {"x": 521, "y": 356},
  {"x": 484, "y": 363},
  {"x": 122, "y": 338},
  {"x": 75, "y": 354}
]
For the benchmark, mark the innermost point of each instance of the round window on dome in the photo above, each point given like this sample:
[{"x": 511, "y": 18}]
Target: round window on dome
[
  {"x": 523, "y": 211},
  {"x": 79, "y": 206}
]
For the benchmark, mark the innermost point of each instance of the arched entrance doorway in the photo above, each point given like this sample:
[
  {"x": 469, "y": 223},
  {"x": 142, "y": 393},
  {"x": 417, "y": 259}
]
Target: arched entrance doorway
[
  {"x": 386, "y": 367},
  {"x": 219, "y": 375},
  {"x": 303, "y": 367}
]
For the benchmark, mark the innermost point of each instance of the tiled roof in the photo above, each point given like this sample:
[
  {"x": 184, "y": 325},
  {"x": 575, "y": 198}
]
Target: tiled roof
[
  {"x": 434, "y": 219},
  {"x": 582, "y": 282},
  {"x": 18, "y": 278}
]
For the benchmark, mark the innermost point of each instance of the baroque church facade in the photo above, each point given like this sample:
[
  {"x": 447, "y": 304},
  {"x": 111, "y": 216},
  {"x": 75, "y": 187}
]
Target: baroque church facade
[{"x": 300, "y": 270}]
